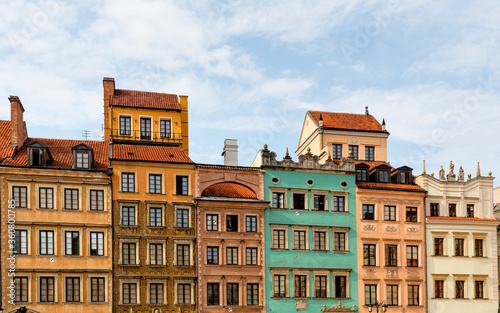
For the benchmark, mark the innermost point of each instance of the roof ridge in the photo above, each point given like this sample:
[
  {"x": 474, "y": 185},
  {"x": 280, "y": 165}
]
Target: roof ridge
[
  {"x": 155, "y": 92},
  {"x": 340, "y": 113}
]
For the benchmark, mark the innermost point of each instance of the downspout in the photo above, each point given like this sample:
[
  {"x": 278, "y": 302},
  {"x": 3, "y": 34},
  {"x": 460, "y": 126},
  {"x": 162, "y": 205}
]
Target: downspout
[{"x": 196, "y": 267}]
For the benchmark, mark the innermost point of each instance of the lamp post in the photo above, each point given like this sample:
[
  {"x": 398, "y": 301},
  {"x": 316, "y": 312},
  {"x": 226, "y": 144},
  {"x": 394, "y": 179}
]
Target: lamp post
[{"x": 377, "y": 304}]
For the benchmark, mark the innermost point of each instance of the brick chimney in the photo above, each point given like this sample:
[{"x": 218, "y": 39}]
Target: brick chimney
[
  {"x": 18, "y": 127},
  {"x": 109, "y": 91}
]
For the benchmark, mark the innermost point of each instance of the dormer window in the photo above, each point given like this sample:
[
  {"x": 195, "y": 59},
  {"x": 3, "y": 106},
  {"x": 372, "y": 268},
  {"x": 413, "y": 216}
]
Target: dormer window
[
  {"x": 362, "y": 172},
  {"x": 404, "y": 175},
  {"x": 37, "y": 157},
  {"x": 82, "y": 157},
  {"x": 383, "y": 176},
  {"x": 38, "y": 154}
]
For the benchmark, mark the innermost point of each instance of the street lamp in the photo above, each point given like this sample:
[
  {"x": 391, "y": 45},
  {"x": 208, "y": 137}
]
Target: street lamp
[{"x": 377, "y": 304}]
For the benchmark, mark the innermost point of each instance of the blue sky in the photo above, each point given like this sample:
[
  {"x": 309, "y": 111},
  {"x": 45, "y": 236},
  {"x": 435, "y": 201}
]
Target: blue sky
[{"x": 252, "y": 69}]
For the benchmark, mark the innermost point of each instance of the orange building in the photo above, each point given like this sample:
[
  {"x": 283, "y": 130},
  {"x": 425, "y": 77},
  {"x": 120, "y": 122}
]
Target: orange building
[
  {"x": 56, "y": 221},
  {"x": 230, "y": 226}
]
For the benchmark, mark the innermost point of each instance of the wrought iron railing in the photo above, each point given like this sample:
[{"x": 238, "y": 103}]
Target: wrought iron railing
[{"x": 146, "y": 136}]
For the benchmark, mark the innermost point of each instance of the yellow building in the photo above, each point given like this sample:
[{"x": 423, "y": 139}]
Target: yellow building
[{"x": 56, "y": 221}]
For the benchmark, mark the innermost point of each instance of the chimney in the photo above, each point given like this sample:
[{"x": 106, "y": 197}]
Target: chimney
[
  {"x": 109, "y": 87},
  {"x": 320, "y": 120},
  {"x": 18, "y": 132},
  {"x": 109, "y": 91},
  {"x": 230, "y": 152},
  {"x": 366, "y": 111}
]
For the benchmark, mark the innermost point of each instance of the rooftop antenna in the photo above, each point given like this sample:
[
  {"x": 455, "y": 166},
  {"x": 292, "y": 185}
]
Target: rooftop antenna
[{"x": 86, "y": 134}]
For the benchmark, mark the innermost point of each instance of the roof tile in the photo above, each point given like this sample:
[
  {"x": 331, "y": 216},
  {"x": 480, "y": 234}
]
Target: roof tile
[
  {"x": 150, "y": 153},
  {"x": 388, "y": 186},
  {"x": 145, "y": 99},
  {"x": 6, "y": 151},
  {"x": 347, "y": 121},
  {"x": 229, "y": 190}
]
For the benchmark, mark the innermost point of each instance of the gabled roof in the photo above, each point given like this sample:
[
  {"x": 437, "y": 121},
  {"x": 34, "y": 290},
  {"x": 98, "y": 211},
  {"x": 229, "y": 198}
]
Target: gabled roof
[
  {"x": 229, "y": 190},
  {"x": 167, "y": 154},
  {"x": 144, "y": 99},
  {"x": 347, "y": 121},
  {"x": 61, "y": 152},
  {"x": 373, "y": 164}
]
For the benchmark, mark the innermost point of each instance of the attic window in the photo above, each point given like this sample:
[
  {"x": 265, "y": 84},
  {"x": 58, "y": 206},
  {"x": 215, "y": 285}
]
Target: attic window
[
  {"x": 404, "y": 177},
  {"x": 383, "y": 176},
  {"x": 37, "y": 157},
  {"x": 82, "y": 159}
]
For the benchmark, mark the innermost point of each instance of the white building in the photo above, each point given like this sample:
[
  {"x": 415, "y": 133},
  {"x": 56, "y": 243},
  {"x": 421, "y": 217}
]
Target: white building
[{"x": 461, "y": 242}]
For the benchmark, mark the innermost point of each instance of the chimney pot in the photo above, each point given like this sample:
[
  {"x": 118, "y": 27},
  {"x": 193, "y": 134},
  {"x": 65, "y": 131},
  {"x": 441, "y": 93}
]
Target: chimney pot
[{"x": 230, "y": 152}]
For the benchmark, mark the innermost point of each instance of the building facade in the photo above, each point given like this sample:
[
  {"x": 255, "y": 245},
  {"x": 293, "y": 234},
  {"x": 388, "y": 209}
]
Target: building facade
[
  {"x": 56, "y": 221},
  {"x": 230, "y": 228},
  {"x": 461, "y": 236},
  {"x": 310, "y": 234}
]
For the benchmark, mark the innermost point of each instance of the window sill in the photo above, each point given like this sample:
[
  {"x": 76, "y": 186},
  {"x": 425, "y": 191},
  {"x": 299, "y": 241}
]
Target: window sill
[
  {"x": 183, "y": 195},
  {"x": 46, "y": 255},
  {"x": 128, "y": 226},
  {"x": 440, "y": 256},
  {"x": 72, "y": 303},
  {"x": 155, "y": 193},
  {"x": 279, "y": 249},
  {"x": 157, "y": 265},
  {"x": 128, "y": 192},
  {"x": 45, "y": 209},
  {"x": 157, "y": 226},
  {"x": 97, "y": 256},
  {"x": 392, "y": 266},
  {"x": 72, "y": 210},
  {"x": 130, "y": 265},
  {"x": 340, "y": 251},
  {"x": 97, "y": 211},
  {"x": 301, "y": 250},
  {"x": 341, "y": 212},
  {"x": 301, "y": 298},
  {"x": 321, "y": 251},
  {"x": 72, "y": 256},
  {"x": 480, "y": 257},
  {"x": 185, "y": 228},
  {"x": 279, "y": 298},
  {"x": 280, "y": 209},
  {"x": 363, "y": 220},
  {"x": 47, "y": 303},
  {"x": 184, "y": 266},
  {"x": 315, "y": 210},
  {"x": 129, "y": 304}
]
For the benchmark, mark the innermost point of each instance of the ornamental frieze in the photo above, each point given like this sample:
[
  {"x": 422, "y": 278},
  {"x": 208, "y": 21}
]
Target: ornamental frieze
[
  {"x": 370, "y": 228},
  {"x": 339, "y": 308},
  {"x": 390, "y": 200}
]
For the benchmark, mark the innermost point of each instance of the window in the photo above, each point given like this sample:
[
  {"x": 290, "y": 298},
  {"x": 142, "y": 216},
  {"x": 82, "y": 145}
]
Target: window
[
  {"x": 478, "y": 289},
  {"x": 339, "y": 241},
  {"x": 232, "y": 223},
  {"x": 299, "y": 240},
  {"x": 320, "y": 286},
  {"x": 145, "y": 124},
  {"x": 72, "y": 289},
  {"x": 21, "y": 289},
  {"x": 181, "y": 184},
  {"x": 389, "y": 213},
  {"x": 438, "y": 246},
  {"x": 459, "y": 289},
  {"x": 361, "y": 175},
  {"x": 128, "y": 216},
  {"x": 156, "y": 293},
  {"x": 45, "y": 198},
  {"x": 370, "y": 153},
  {"x": 478, "y": 247},
  {"x": 434, "y": 209},
  {"x": 251, "y": 224},
  {"x": 21, "y": 242},
  {"x": 212, "y": 294},
  {"x": 459, "y": 246},
  {"x": 470, "y": 210},
  {"x": 404, "y": 177},
  {"x": 391, "y": 255},
  {"x": 46, "y": 242},
  {"x": 439, "y": 289},
  {"x": 20, "y": 196},
  {"x": 165, "y": 128},
  {"x": 370, "y": 294},
  {"x": 411, "y": 214},
  {"x": 279, "y": 286},
  {"x": 299, "y": 200},
  {"x": 339, "y": 203},
  {"x": 47, "y": 289},
  {"x": 412, "y": 256},
  {"x": 251, "y": 256},
  {"x": 183, "y": 258},
  {"x": 368, "y": 212},
  {"x": 278, "y": 200},
  {"x": 97, "y": 289},
  {"x": 82, "y": 159},
  {"x": 340, "y": 286},
  {"x": 96, "y": 243},
  {"x": 319, "y": 202},
  {"x": 413, "y": 295},
  {"x": 369, "y": 254},
  {"x": 129, "y": 293},
  {"x": 383, "y": 176},
  {"x": 452, "y": 210},
  {"x": 97, "y": 200},
  {"x": 354, "y": 150},
  {"x": 154, "y": 183},
  {"x": 125, "y": 125},
  {"x": 252, "y": 294},
  {"x": 232, "y": 255},
  {"x": 232, "y": 294},
  {"x": 212, "y": 222},
  {"x": 182, "y": 217},
  {"x": 156, "y": 254},
  {"x": 300, "y": 286},
  {"x": 319, "y": 240},
  {"x": 279, "y": 240},
  {"x": 212, "y": 255},
  {"x": 128, "y": 253},
  {"x": 184, "y": 294},
  {"x": 392, "y": 295},
  {"x": 72, "y": 243},
  {"x": 336, "y": 151},
  {"x": 128, "y": 182},
  {"x": 155, "y": 217},
  {"x": 71, "y": 199}
]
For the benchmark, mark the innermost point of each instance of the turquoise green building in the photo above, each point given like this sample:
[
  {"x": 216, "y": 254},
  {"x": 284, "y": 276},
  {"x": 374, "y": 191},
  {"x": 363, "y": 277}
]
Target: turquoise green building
[{"x": 310, "y": 233}]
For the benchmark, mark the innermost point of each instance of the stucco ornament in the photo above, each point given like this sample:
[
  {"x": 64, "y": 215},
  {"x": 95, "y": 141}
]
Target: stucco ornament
[
  {"x": 339, "y": 308},
  {"x": 441, "y": 173},
  {"x": 301, "y": 305}
]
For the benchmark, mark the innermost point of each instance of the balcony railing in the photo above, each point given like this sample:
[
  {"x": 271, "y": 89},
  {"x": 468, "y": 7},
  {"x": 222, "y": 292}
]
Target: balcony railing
[{"x": 145, "y": 136}]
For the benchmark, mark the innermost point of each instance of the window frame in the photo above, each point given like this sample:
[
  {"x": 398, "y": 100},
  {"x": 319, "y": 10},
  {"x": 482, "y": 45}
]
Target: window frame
[
  {"x": 98, "y": 280},
  {"x": 127, "y": 182},
  {"x": 369, "y": 153},
  {"x": 355, "y": 151},
  {"x": 369, "y": 259},
  {"x": 252, "y": 254},
  {"x": 253, "y": 223},
  {"x": 336, "y": 151},
  {"x": 47, "y": 250},
  {"x": 366, "y": 215},
  {"x": 72, "y": 243},
  {"x": 94, "y": 200},
  {"x": 146, "y": 132},
  {"x": 78, "y": 285},
  {"x": 124, "y": 131},
  {"x": 413, "y": 214},
  {"x": 155, "y": 183},
  {"x": 390, "y": 213},
  {"x": 232, "y": 255},
  {"x": 49, "y": 280},
  {"x": 214, "y": 259},
  {"x": 39, "y": 195},
  {"x": 211, "y": 217},
  {"x": 182, "y": 187},
  {"x": 213, "y": 293},
  {"x": 282, "y": 230},
  {"x": 164, "y": 133},
  {"x": 72, "y": 193},
  {"x": 97, "y": 242},
  {"x": 21, "y": 190}
]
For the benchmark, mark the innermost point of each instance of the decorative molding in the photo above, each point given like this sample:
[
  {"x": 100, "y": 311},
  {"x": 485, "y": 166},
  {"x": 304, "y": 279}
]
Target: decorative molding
[
  {"x": 412, "y": 274},
  {"x": 339, "y": 308},
  {"x": 391, "y": 229},
  {"x": 389, "y": 200},
  {"x": 301, "y": 305},
  {"x": 370, "y": 228},
  {"x": 412, "y": 230}
]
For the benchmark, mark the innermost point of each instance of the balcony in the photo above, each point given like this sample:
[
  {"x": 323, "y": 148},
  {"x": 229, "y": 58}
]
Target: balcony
[{"x": 146, "y": 137}]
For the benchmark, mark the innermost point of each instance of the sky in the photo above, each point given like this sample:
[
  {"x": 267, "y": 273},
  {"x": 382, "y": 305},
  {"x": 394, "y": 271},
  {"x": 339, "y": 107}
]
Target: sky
[{"x": 252, "y": 69}]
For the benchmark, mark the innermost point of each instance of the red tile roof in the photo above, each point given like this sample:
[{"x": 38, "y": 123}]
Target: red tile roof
[
  {"x": 229, "y": 190},
  {"x": 388, "y": 186},
  {"x": 144, "y": 99},
  {"x": 373, "y": 164},
  {"x": 62, "y": 155},
  {"x": 228, "y": 167},
  {"x": 347, "y": 121},
  {"x": 463, "y": 218},
  {"x": 150, "y": 153},
  {"x": 6, "y": 151}
]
